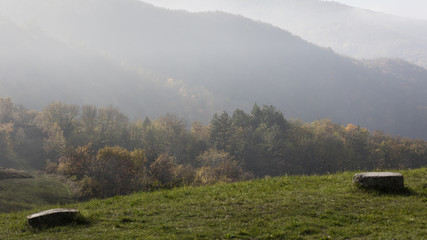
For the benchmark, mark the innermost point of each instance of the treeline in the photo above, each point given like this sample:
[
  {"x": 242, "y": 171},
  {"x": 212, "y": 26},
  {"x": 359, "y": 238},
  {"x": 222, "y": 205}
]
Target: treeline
[{"x": 108, "y": 154}]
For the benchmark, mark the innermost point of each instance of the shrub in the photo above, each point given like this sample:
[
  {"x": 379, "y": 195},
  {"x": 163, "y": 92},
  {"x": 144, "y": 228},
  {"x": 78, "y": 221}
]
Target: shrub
[
  {"x": 205, "y": 175},
  {"x": 163, "y": 170},
  {"x": 184, "y": 175},
  {"x": 113, "y": 171}
]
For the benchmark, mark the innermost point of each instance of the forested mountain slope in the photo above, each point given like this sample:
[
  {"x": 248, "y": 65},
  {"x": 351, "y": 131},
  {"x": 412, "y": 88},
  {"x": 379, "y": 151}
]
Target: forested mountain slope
[
  {"x": 36, "y": 69},
  {"x": 147, "y": 60},
  {"x": 351, "y": 31}
]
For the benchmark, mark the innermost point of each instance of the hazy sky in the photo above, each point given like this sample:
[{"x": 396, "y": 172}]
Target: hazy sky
[{"x": 405, "y": 8}]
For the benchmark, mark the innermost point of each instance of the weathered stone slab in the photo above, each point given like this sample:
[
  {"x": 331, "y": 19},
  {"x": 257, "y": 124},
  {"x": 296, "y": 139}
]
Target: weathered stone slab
[
  {"x": 388, "y": 181},
  {"x": 6, "y": 173},
  {"x": 53, "y": 217}
]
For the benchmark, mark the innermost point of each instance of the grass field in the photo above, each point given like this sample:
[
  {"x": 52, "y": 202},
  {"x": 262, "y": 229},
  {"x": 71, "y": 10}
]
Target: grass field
[
  {"x": 291, "y": 207},
  {"x": 27, "y": 193}
]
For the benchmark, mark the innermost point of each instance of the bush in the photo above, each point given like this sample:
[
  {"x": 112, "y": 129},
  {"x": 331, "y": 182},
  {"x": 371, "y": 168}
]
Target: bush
[
  {"x": 218, "y": 166},
  {"x": 205, "y": 176},
  {"x": 184, "y": 175},
  {"x": 114, "y": 170},
  {"x": 162, "y": 170}
]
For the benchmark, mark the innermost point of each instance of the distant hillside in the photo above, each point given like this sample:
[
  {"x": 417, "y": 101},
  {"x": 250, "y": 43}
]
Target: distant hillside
[
  {"x": 292, "y": 207},
  {"x": 351, "y": 31},
  {"x": 148, "y": 60},
  {"x": 37, "y": 68}
]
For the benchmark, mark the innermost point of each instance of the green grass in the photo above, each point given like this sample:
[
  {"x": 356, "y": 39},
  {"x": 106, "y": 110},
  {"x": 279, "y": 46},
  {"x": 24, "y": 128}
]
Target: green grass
[
  {"x": 294, "y": 207},
  {"x": 28, "y": 193}
]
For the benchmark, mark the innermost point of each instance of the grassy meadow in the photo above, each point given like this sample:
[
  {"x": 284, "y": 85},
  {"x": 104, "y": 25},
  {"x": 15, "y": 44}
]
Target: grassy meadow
[
  {"x": 289, "y": 207},
  {"x": 28, "y": 193}
]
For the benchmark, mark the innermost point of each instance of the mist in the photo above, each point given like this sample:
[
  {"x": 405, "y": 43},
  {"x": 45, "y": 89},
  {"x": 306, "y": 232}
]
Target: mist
[
  {"x": 355, "y": 32},
  {"x": 150, "y": 61},
  {"x": 123, "y": 96},
  {"x": 405, "y": 8}
]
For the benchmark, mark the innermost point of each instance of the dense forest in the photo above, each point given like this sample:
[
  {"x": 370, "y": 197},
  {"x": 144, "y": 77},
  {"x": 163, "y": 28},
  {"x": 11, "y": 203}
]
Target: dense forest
[{"x": 108, "y": 154}]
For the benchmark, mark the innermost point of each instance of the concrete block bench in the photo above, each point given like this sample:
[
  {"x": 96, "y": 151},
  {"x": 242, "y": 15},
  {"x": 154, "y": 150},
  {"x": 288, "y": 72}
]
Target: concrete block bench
[
  {"x": 53, "y": 217},
  {"x": 386, "y": 181}
]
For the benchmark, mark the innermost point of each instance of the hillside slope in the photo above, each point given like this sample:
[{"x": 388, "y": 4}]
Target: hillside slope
[
  {"x": 18, "y": 194},
  {"x": 297, "y": 207},
  {"x": 37, "y": 68},
  {"x": 211, "y": 62},
  {"x": 351, "y": 31}
]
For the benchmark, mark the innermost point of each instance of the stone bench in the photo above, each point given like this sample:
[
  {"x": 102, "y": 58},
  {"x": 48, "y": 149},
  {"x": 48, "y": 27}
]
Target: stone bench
[
  {"x": 385, "y": 181},
  {"x": 53, "y": 217}
]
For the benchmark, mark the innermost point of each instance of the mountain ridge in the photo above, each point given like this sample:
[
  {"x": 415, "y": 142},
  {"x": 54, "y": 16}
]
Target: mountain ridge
[
  {"x": 352, "y": 31},
  {"x": 209, "y": 62}
]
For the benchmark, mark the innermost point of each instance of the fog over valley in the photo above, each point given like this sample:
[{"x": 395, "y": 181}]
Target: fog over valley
[{"x": 304, "y": 57}]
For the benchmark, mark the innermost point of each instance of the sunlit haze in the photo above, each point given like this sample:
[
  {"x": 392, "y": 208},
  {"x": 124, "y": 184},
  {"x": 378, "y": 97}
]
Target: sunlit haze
[{"x": 404, "y": 8}]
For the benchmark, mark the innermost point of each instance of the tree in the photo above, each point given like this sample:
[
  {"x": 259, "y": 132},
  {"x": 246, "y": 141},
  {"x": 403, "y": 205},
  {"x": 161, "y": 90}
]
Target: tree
[
  {"x": 88, "y": 122},
  {"x": 7, "y": 110},
  {"x": 199, "y": 132},
  {"x": 6, "y": 146},
  {"x": 112, "y": 171},
  {"x": 163, "y": 170},
  {"x": 241, "y": 119},
  {"x": 54, "y": 144},
  {"x": 329, "y": 147},
  {"x": 221, "y": 131},
  {"x": 174, "y": 136},
  {"x": 64, "y": 115},
  {"x": 77, "y": 162},
  {"x": 244, "y": 146},
  {"x": 112, "y": 127},
  {"x": 57, "y": 122},
  {"x": 218, "y": 165},
  {"x": 261, "y": 138},
  {"x": 418, "y": 151},
  {"x": 356, "y": 141},
  {"x": 140, "y": 179},
  {"x": 151, "y": 142},
  {"x": 268, "y": 116},
  {"x": 198, "y": 142},
  {"x": 24, "y": 138}
]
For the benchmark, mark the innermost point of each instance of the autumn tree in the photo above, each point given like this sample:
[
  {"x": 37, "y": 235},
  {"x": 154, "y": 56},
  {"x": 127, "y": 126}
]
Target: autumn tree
[
  {"x": 112, "y": 127},
  {"x": 77, "y": 162},
  {"x": 88, "y": 122},
  {"x": 6, "y": 146},
  {"x": 58, "y": 122},
  {"x": 64, "y": 115},
  {"x": 218, "y": 165},
  {"x": 163, "y": 170},
  {"x": 112, "y": 171}
]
